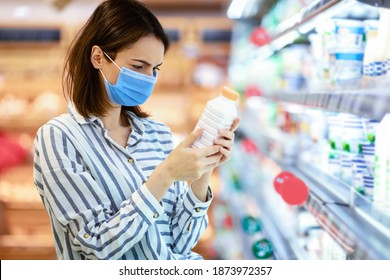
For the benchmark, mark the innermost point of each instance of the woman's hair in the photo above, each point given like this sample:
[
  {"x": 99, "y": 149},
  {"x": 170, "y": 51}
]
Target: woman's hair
[{"x": 113, "y": 26}]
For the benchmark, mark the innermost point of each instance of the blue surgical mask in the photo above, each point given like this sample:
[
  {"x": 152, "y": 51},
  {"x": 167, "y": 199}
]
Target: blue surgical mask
[{"x": 132, "y": 88}]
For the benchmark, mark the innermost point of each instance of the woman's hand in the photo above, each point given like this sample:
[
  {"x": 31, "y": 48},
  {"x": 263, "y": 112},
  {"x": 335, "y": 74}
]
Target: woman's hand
[
  {"x": 187, "y": 164},
  {"x": 226, "y": 142}
]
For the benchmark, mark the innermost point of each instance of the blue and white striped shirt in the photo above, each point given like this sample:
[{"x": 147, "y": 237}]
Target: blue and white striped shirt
[{"x": 93, "y": 191}]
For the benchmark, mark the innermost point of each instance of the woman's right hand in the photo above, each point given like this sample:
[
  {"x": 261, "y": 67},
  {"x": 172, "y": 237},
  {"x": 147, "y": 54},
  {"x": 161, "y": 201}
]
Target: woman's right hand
[
  {"x": 187, "y": 164},
  {"x": 183, "y": 164}
]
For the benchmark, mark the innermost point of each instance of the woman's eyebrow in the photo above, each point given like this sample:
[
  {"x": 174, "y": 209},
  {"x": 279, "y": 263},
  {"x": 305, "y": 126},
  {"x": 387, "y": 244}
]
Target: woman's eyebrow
[{"x": 145, "y": 62}]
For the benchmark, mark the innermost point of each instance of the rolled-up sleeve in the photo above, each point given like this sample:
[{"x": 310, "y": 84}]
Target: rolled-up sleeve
[{"x": 189, "y": 218}]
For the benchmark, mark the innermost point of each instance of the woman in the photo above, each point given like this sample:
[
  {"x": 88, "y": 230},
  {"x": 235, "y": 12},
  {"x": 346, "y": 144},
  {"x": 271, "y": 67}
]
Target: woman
[{"x": 109, "y": 178}]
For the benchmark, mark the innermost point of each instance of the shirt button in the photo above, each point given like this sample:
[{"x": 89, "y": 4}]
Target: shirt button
[
  {"x": 155, "y": 215},
  {"x": 130, "y": 160},
  {"x": 86, "y": 235},
  {"x": 197, "y": 209}
]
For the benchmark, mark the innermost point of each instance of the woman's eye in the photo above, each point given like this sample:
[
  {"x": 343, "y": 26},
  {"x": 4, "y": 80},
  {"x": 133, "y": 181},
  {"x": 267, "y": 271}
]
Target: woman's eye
[
  {"x": 156, "y": 68},
  {"x": 138, "y": 67}
]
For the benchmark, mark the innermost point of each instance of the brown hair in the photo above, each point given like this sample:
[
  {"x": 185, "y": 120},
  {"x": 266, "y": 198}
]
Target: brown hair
[{"x": 113, "y": 26}]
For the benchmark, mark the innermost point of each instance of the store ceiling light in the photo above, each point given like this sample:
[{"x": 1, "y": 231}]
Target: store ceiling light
[{"x": 21, "y": 11}]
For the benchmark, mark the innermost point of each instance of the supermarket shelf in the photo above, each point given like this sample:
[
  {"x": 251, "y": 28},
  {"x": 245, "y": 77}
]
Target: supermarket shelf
[
  {"x": 364, "y": 103},
  {"x": 302, "y": 22},
  {"x": 347, "y": 195},
  {"x": 18, "y": 124},
  {"x": 235, "y": 201},
  {"x": 27, "y": 247},
  {"x": 377, "y": 3},
  {"x": 360, "y": 233},
  {"x": 284, "y": 248},
  {"x": 358, "y": 229},
  {"x": 30, "y": 88},
  {"x": 305, "y": 15},
  {"x": 307, "y": 18}
]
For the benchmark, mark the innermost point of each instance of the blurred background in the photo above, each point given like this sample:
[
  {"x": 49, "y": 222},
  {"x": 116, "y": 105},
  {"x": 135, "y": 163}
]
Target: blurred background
[{"x": 313, "y": 78}]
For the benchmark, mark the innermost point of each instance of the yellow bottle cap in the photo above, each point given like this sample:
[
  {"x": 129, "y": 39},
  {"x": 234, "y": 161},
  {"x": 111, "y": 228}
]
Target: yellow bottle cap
[{"x": 230, "y": 93}]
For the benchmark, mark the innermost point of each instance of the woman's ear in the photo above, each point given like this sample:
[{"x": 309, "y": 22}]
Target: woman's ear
[{"x": 97, "y": 57}]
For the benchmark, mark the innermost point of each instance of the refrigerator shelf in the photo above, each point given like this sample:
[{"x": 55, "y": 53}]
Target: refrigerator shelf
[
  {"x": 285, "y": 247},
  {"x": 372, "y": 104},
  {"x": 307, "y": 18},
  {"x": 305, "y": 15},
  {"x": 348, "y": 217},
  {"x": 235, "y": 200},
  {"x": 354, "y": 224}
]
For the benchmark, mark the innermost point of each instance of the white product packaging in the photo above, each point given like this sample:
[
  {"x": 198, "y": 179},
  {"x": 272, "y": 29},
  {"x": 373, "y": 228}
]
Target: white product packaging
[
  {"x": 371, "y": 46},
  {"x": 382, "y": 166},
  {"x": 382, "y": 42},
  {"x": 346, "y": 66},
  {"x": 220, "y": 112},
  {"x": 349, "y": 34}
]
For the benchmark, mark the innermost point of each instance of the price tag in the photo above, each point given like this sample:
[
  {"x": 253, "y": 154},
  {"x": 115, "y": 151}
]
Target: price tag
[
  {"x": 262, "y": 249},
  {"x": 251, "y": 225}
]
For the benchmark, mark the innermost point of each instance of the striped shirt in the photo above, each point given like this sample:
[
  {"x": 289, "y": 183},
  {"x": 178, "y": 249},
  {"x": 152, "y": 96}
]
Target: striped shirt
[{"x": 93, "y": 190}]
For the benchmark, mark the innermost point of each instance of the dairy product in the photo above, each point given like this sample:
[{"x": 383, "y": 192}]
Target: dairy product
[
  {"x": 380, "y": 54},
  {"x": 381, "y": 194},
  {"x": 349, "y": 34},
  {"x": 220, "y": 112},
  {"x": 346, "y": 66},
  {"x": 371, "y": 45}
]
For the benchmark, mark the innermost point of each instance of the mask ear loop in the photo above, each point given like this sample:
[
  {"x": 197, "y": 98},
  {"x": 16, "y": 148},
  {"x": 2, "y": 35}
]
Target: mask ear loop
[
  {"x": 103, "y": 75},
  {"x": 112, "y": 60}
]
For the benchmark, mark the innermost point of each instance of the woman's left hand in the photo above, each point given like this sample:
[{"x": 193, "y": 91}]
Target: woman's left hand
[{"x": 226, "y": 141}]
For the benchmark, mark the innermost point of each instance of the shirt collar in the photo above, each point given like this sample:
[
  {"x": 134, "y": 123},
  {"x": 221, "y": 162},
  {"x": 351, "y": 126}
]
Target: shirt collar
[
  {"x": 137, "y": 123},
  {"x": 77, "y": 116}
]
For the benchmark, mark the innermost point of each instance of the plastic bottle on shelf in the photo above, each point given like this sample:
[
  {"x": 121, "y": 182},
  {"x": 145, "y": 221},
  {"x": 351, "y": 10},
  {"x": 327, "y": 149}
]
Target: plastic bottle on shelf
[
  {"x": 220, "y": 112},
  {"x": 349, "y": 34},
  {"x": 371, "y": 45},
  {"x": 382, "y": 43},
  {"x": 387, "y": 64},
  {"x": 382, "y": 166}
]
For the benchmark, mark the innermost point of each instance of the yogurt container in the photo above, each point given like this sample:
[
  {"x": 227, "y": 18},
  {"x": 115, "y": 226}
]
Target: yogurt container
[
  {"x": 346, "y": 66},
  {"x": 349, "y": 34}
]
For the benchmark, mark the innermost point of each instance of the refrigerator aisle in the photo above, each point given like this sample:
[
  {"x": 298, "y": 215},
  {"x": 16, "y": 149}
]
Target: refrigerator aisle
[
  {"x": 32, "y": 51},
  {"x": 316, "y": 104}
]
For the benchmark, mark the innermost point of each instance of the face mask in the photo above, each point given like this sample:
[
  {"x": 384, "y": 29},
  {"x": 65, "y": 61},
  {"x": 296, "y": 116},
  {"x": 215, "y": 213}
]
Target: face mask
[{"x": 132, "y": 88}]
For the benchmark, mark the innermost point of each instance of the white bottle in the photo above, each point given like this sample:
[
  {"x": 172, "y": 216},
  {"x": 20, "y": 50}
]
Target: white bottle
[
  {"x": 371, "y": 47},
  {"x": 388, "y": 62},
  {"x": 382, "y": 168},
  {"x": 382, "y": 41},
  {"x": 220, "y": 112}
]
